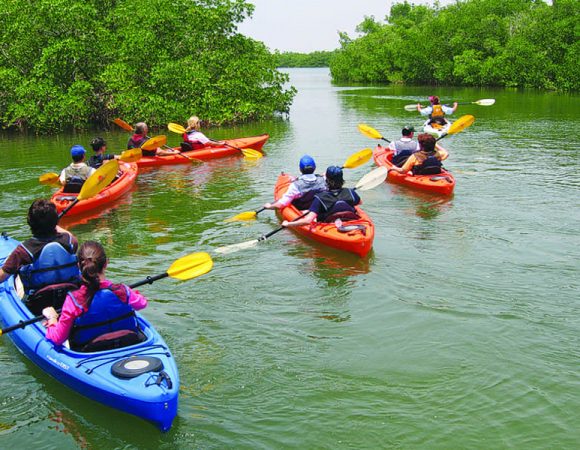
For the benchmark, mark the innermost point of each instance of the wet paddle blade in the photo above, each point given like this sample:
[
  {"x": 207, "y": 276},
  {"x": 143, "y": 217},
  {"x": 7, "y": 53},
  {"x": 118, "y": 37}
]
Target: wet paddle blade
[
  {"x": 358, "y": 159},
  {"x": 154, "y": 142},
  {"x": 485, "y": 102},
  {"x": 411, "y": 107},
  {"x": 190, "y": 266},
  {"x": 237, "y": 247},
  {"x": 101, "y": 178},
  {"x": 250, "y": 153},
  {"x": 461, "y": 124},
  {"x": 131, "y": 156},
  {"x": 246, "y": 215},
  {"x": 49, "y": 178},
  {"x": 124, "y": 125},
  {"x": 369, "y": 131},
  {"x": 372, "y": 179},
  {"x": 175, "y": 128}
]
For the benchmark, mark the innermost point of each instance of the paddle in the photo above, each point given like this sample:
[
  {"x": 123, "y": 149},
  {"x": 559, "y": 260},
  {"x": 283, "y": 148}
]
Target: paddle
[
  {"x": 100, "y": 178},
  {"x": 369, "y": 181},
  {"x": 370, "y": 132},
  {"x": 185, "y": 268},
  {"x": 355, "y": 160},
  {"x": 459, "y": 125},
  {"x": 249, "y": 153},
  {"x": 482, "y": 102}
]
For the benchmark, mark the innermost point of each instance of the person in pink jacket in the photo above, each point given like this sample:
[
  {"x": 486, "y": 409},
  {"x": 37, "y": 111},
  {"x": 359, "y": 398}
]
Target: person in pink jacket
[{"x": 100, "y": 315}]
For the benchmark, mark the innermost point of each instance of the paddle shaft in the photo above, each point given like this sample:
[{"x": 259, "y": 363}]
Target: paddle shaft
[
  {"x": 277, "y": 230},
  {"x": 68, "y": 208}
]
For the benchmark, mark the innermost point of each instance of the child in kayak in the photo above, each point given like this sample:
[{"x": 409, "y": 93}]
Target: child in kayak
[
  {"x": 335, "y": 203},
  {"x": 426, "y": 161},
  {"x": 100, "y": 315},
  {"x": 99, "y": 147},
  {"x": 193, "y": 139},
  {"x": 302, "y": 190},
  {"x": 140, "y": 137},
  {"x": 74, "y": 175}
]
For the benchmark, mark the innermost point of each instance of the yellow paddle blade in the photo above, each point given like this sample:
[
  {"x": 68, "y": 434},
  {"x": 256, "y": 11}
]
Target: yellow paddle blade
[
  {"x": 372, "y": 179},
  {"x": 49, "y": 178},
  {"x": 250, "y": 153},
  {"x": 124, "y": 125},
  {"x": 461, "y": 124},
  {"x": 100, "y": 179},
  {"x": 131, "y": 156},
  {"x": 154, "y": 142},
  {"x": 247, "y": 215},
  {"x": 369, "y": 131},
  {"x": 190, "y": 266},
  {"x": 175, "y": 128},
  {"x": 358, "y": 159}
]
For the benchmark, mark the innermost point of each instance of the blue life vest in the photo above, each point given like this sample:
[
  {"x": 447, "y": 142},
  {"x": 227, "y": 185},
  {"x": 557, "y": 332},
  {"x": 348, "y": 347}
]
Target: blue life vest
[
  {"x": 56, "y": 263},
  {"x": 432, "y": 165},
  {"x": 308, "y": 189},
  {"x": 106, "y": 313},
  {"x": 337, "y": 201}
]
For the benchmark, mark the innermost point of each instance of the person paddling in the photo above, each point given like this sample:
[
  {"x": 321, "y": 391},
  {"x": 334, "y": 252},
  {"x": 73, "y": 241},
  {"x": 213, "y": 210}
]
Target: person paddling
[
  {"x": 404, "y": 147},
  {"x": 301, "y": 191},
  {"x": 436, "y": 111},
  {"x": 99, "y": 146},
  {"x": 140, "y": 137},
  {"x": 193, "y": 139},
  {"x": 99, "y": 315},
  {"x": 76, "y": 173},
  {"x": 427, "y": 161}
]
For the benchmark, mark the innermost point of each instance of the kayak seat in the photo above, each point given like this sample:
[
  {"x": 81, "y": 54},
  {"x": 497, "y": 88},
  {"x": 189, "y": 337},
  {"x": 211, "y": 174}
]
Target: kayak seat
[
  {"x": 66, "y": 198},
  {"x": 72, "y": 187},
  {"x": 137, "y": 365},
  {"x": 53, "y": 295},
  {"x": 113, "y": 340},
  {"x": 188, "y": 146}
]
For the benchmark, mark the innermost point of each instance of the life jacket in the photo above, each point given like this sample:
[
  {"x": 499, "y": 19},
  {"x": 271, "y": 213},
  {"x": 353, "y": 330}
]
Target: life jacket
[
  {"x": 96, "y": 161},
  {"x": 194, "y": 145},
  {"x": 136, "y": 141},
  {"x": 106, "y": 314},
  {"x": 337, "y": 201},
  {"x": 75, "y": 176},
  {"x": 436, "y": 112},
  {"x": 53, "y": 262},
  {"x": 403, "y": 149},
  {"x": 430, "y": 166},
  {"x": 308, "y": 189}
]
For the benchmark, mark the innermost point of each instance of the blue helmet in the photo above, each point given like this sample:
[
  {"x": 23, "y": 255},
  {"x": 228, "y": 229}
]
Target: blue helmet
[
  {"x": 307, "y": 164},
  {"x": 334, "y": 173},
  {"x": 77, "y": 150}
]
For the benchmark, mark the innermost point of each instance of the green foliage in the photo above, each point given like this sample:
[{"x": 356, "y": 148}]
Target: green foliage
[
  {"x": 519, "y": 43},
  {"x": 293, "y": 59},
  {"x": 69, "y": 64}
]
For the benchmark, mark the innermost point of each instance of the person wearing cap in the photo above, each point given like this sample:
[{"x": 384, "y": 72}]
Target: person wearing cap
[
  {"x": 140, "y": 137},
  {"x": 74, "y": 175},
  {"x": 336, "y": 203},
  {"x": 436, "y": 111},
  {"x": 404, "y": 147},
  {"x": 99, "y": 146},
  {"x": 426, "y": 161},
  {"x": 302, "y": 190}
]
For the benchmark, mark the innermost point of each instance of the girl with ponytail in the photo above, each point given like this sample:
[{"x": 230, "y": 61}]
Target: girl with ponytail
[{"x": 100, "y": 314}]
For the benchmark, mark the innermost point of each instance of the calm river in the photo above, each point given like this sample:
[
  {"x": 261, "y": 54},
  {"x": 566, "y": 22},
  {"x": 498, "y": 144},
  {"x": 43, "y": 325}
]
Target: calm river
[{"x": 461, "y": 329}]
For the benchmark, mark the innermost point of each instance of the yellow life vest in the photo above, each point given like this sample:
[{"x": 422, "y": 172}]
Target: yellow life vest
[{"x": 437, "y": 112}]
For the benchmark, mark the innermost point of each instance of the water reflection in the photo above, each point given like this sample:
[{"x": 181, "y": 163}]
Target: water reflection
[{"x": 424, "y": 205}]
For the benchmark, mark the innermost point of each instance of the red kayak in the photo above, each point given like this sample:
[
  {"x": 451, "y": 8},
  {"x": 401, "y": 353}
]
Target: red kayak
[
  {"x": 355, "y": 236},
  {"x": 119, "y": 187},
  {"x": 253, "y": 142},
  {"x": 442, "y": 183}
]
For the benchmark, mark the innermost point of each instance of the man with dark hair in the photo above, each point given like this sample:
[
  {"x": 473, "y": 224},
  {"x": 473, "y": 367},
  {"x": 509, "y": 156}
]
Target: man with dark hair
[
  {"x": 404, "y": 147},
  {"x": 48, "y": 257},
  {"x": 426, "y": 161}
]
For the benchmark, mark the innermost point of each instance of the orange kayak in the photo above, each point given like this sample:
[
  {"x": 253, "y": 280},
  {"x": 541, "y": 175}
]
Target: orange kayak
[
  {"x": 253, "y": 142},
  {"x": 354, "y": 236},
  {"x": 112, "y": 192},
  {"x": 442, "y": 183}
]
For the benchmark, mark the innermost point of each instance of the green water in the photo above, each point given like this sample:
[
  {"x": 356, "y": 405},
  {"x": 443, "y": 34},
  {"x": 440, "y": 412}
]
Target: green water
[{"x": 460, "y": 330}]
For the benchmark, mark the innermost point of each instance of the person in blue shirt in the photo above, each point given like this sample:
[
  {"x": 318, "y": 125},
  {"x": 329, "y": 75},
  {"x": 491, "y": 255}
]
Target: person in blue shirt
[{"x": 100, "y": 147}]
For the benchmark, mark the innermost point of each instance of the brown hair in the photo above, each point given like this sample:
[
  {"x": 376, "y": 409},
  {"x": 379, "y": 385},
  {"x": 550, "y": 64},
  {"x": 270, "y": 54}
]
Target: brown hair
[
  {"x": 42, "y": 218},
  {"x": 427, "y": 142},
  {"x": 92, "y": 261}
]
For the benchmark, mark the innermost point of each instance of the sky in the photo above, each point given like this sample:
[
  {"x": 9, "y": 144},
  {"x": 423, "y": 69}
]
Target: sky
[{"x": 308, "y": 25}]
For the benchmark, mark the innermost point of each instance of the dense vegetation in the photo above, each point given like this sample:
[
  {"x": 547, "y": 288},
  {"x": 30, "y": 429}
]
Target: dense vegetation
[
  {"x": 293, "y": 59},
  {"x": 515, "y": 43},
  {"x": 73, "y": 63}
]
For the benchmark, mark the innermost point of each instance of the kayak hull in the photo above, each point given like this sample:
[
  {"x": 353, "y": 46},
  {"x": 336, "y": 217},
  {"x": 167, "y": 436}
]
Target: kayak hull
[
  {"x": 90, "y": 374},
  {"x": 206, "y": 153},
  {"x": 435, "y": 130},
  {"x": 355, "y": 241},
  {"x": 118, "y": 188},
  {"x": 443, "y": 183}
]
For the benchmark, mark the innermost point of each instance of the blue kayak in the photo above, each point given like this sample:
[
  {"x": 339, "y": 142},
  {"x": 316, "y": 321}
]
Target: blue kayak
[{"x": 141, "y": 379}]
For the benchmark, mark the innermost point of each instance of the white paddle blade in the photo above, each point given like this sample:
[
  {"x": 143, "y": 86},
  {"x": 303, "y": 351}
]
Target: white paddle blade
[
  {"x": 411, "y": 107},
  {"x": 372, "y": 179},
  {"x": 485, "y": 102},
  {"x": 236, "y": 247}
]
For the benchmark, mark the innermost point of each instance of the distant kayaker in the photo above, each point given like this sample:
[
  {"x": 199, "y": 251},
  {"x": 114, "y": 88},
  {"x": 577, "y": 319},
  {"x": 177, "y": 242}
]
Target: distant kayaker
[
  {"x": 74, "y": 175},
  {"x": 193, "y": 139},
  {"x": 302, "y": 190},
  {"x": 140, "y": 137},
  {"x": 46, "y": 263},
  {"x": 404, "y": 147},
  {"x": 99, "y": 146},
  {"x": 426, "y": 161},
  {"x": 436, "y": 111},
  {"x": 335, "y": 203},
  {"x": 99, "y": 315}
]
